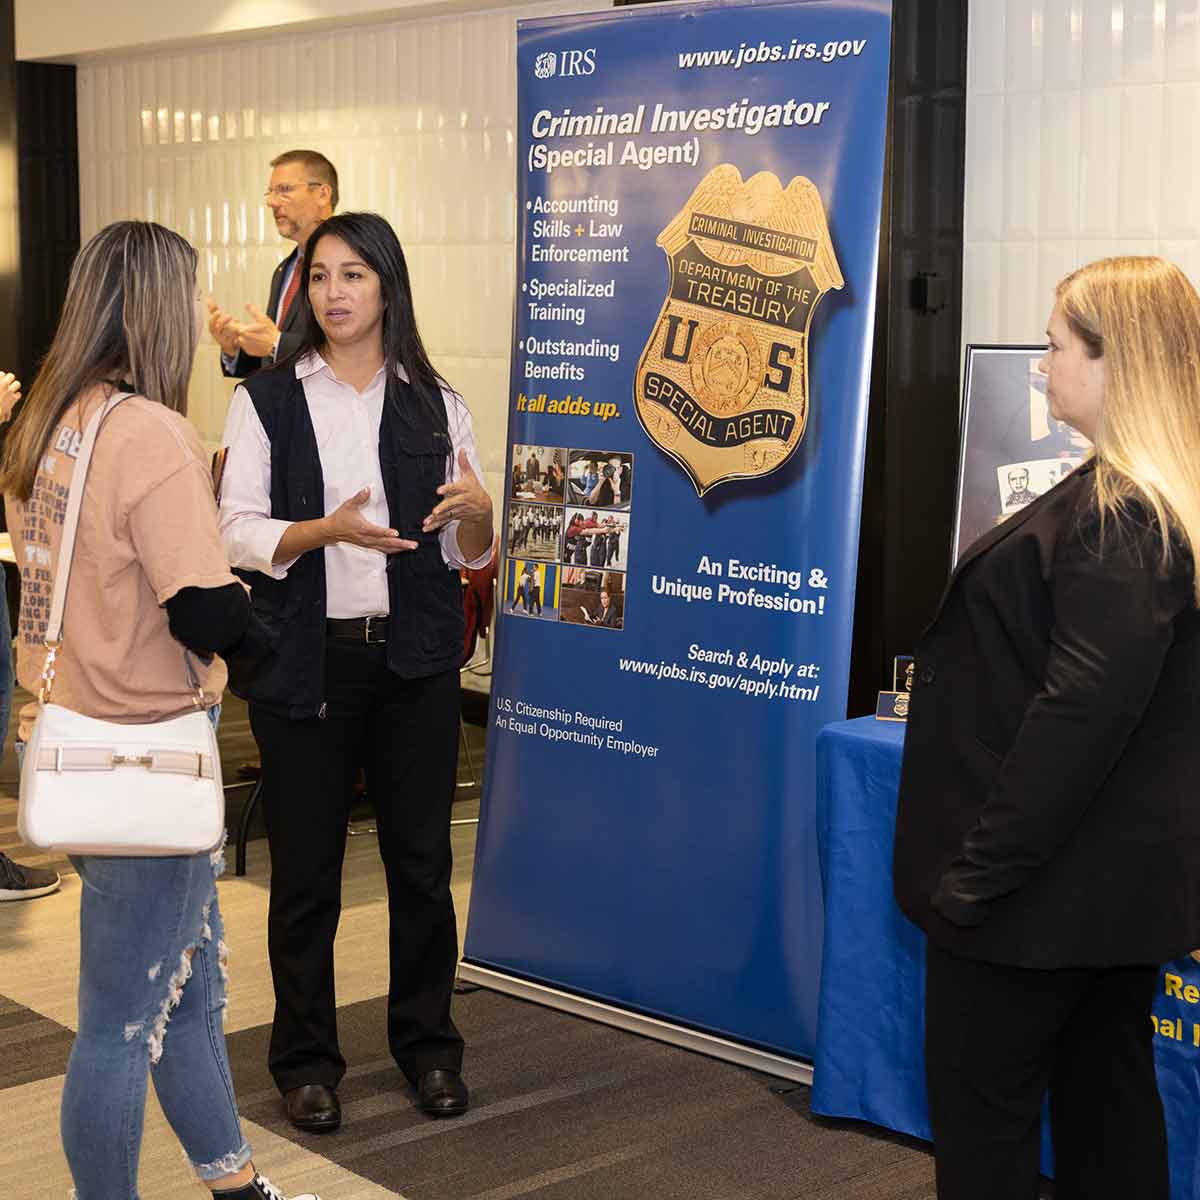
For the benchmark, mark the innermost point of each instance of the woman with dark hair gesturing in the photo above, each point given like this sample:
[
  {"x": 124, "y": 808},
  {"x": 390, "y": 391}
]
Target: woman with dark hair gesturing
[{"x": 350, "y": 499}]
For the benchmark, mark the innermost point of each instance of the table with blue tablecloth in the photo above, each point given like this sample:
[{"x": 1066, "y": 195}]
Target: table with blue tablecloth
[{"x": 869, "y": 1054}]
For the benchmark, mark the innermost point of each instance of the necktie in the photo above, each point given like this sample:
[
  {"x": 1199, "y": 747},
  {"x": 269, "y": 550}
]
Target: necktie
[{"x": 288, "y": 296}]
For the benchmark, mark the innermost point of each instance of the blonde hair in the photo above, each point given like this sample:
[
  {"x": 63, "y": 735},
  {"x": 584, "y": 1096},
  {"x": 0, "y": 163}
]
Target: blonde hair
[
  {"x": 129, "y": 316},
  {"x": 1143, "y": 316}
]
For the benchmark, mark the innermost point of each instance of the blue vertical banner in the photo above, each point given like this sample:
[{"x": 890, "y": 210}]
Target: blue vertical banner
[{"x": 698, "y": 201}]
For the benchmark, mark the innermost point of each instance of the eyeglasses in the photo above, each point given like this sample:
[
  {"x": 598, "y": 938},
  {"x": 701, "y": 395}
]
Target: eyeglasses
[{"x": 284, "y": 190}]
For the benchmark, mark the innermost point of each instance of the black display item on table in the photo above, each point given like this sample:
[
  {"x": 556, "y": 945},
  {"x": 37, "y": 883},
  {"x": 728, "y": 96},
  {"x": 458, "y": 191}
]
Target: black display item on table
[{"x": 893, "y": 705}]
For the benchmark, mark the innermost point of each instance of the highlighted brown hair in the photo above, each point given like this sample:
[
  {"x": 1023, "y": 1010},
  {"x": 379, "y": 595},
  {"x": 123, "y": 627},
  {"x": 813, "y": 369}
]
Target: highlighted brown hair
[
  {"x": 129, "y": 316},
  {"x": 1142, "y": 315}
]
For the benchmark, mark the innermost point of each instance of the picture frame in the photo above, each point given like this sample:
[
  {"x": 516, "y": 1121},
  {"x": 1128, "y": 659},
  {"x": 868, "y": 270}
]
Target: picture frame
[{"x": 1011, "y": 447}]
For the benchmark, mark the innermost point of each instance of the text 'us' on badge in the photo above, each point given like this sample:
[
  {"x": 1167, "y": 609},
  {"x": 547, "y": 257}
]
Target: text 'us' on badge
[{"x": 722, "y": 384}]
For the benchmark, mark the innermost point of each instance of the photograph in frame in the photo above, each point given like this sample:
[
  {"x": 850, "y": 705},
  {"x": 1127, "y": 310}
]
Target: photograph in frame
[{"x": 1011, "y": 448}]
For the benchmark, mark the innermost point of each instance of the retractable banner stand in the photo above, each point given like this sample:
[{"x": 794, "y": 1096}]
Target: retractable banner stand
[{"x": 698, "y": 200}]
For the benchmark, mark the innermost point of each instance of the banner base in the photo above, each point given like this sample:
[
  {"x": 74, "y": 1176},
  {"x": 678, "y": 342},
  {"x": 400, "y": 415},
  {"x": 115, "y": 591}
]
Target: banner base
[{"x": 651, "y": 1027}]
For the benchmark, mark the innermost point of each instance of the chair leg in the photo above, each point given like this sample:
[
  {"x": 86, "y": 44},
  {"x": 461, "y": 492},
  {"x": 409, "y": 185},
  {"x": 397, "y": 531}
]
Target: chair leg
[
  {"x": 466, "y": 745},
  {"x": 360, "y": 798},
  {"x": 243, "y": 833}
]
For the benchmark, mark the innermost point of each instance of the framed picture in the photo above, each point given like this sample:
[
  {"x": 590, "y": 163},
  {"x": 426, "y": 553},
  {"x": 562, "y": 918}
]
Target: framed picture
[{"x": 1011, "y": 449}]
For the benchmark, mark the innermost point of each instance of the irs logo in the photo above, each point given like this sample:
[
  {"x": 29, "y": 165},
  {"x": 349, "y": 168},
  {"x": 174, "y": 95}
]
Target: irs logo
[
  {"x": 722, "y": 384},
  {"x": 544, "y": 64}
]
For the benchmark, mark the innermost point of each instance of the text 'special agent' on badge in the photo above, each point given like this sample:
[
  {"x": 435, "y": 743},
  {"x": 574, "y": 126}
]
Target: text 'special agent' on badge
[{"x": 722, "y": 384}]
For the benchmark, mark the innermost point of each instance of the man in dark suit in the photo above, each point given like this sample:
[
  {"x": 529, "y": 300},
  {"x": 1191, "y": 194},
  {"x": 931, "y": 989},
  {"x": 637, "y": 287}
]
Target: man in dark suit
[{"x": 303, "y": 191}]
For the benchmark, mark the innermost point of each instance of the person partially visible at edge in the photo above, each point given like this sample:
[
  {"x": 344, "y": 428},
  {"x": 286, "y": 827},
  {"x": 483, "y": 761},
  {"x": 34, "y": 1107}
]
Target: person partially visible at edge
[
  {"x": 149, "y": 579},
  {"x": 1048, "y": 836},
  {"x": 350, "y": 501},
  {"x": 17, "y": 880},
  {"x": 301, "y": 193}
]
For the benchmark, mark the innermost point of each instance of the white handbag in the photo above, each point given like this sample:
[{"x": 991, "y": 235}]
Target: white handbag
[{"x": 98, "y": 787}]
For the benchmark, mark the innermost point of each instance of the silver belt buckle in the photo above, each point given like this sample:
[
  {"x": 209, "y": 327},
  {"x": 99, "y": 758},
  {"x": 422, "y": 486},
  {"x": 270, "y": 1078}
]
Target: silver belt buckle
[{"x": 367, "y": 631}]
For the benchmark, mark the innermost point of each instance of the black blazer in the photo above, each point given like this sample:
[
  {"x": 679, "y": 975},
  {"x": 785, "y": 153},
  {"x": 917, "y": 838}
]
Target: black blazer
[
  {"x": 1049, "y": 811},
  {"x": 289, "y": 334}
]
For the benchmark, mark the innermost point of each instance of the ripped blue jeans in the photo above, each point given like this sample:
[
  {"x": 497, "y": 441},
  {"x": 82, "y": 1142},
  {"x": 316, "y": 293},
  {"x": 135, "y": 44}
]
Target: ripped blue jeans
[
  {"x": 152, "y": 976},
  {"x": 151, "y": 1003}
]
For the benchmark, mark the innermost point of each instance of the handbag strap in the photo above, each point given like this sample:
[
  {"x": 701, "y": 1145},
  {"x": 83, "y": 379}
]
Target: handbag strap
[
  {"x": 66, "y": 554},
  {"x": 66, "y": 549}
]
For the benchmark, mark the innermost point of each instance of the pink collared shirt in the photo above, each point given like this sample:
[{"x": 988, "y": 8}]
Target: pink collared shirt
[{"x": 346, "y": 423}]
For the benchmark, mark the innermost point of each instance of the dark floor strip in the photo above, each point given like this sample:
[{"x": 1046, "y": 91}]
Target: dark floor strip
[{"x": 32, "y": 1047}]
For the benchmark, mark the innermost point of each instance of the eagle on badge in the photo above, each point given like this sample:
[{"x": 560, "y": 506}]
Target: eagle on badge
[{"x": 722, "y": 384}]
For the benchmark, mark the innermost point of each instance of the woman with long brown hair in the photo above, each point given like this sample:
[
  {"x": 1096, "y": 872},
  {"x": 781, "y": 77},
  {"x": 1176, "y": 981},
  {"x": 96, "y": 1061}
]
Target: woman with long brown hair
[{"x": 149, "y": 581}]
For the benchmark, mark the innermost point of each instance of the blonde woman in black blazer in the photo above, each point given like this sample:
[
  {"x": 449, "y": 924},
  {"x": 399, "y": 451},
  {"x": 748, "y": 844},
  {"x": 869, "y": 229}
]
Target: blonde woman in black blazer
[{"x": 1048, "y": 833}]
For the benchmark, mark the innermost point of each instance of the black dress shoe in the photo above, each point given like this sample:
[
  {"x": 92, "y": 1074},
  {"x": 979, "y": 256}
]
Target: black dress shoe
[
  {"x": 313, "y": 1108},
  {"x": 442, "y": 1093}
]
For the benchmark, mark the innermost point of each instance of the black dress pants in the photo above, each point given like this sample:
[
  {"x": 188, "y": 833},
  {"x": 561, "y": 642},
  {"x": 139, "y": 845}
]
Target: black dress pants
[
  {"x": 405, "y": 735},
  {"x": 997, "y": 1037}
]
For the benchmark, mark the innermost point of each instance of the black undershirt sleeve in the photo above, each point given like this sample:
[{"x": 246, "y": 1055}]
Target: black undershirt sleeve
[
  {"x": 209, "y": 620},
  {"x": 219, "y": 621}
]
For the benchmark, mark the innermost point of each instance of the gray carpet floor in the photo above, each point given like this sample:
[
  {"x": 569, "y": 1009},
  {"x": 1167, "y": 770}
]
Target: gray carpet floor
[{"x": 566, "y": 1109}]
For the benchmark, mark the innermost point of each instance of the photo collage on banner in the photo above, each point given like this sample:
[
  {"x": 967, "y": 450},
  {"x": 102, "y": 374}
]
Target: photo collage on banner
[{"x": 567, "y": 535}]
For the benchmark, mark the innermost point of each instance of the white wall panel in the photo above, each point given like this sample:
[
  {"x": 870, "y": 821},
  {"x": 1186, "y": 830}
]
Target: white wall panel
[
  {"x": 1023, "y": 46},
  {"x": 1058, "y": 190},
  {"x": 1102, "y": 26},
  {"x": 1022, "y": 166},
  {"x": 1181, "y": 167},
  {"x": 985, "y": 217},
  {"x": 1143, "y": 41},
  {"x": 982, "y": 268},
  {"x": 1183, "y": 39},
  {"x": 1139, "y": 195},
  {"x": 1082, "y": 141},
  {"x": 1063, "y": 45},
  {"x": 986, "y": 49},
  {"x": 1055, "y": 259},
  {"x": 1098, "y": 155},
  {"x": 1018, "y": 291},
  {"x": 418, "y": 116}
]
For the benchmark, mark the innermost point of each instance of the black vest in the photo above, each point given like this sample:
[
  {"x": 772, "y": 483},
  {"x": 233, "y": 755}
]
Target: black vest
[{"x": 425, "y": 632}]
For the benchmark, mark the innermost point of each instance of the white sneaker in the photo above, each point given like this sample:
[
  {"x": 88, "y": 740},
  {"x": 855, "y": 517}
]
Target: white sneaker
[{"x": 261, "y": 1188}]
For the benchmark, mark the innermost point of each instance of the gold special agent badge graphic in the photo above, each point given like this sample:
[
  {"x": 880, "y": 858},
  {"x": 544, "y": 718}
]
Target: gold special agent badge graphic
[{"x": 722, "y": 385}]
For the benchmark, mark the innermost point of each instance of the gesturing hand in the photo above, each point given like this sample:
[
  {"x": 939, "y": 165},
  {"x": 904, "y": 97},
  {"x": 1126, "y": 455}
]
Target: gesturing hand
[
  {"x": 259, "y": 335},
  {"x": 224, "y": 329},
  {"x": 347, "y": 524},
  {"x": 462, "y": 500},
  {"x": 10, "y": 393}
]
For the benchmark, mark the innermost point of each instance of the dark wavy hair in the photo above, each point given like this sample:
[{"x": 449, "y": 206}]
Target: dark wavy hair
[{"x": 376, "y": 243}]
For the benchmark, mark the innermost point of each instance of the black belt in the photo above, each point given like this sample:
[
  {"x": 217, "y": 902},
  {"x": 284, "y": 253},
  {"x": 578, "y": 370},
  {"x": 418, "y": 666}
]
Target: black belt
[{"x": 358, "y": 629}]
